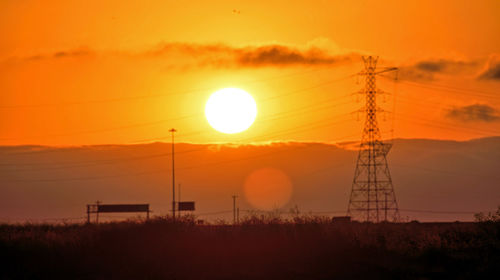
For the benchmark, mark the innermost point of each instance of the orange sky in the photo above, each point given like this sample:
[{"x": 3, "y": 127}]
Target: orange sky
[{"x": 88, "y": 72}]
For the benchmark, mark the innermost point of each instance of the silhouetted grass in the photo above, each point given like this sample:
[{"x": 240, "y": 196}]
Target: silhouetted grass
[{"x": 261, "y": 247}]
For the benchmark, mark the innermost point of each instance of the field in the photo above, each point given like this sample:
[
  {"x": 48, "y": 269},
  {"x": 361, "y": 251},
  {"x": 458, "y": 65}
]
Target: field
[{"x": 258, "y": 248}]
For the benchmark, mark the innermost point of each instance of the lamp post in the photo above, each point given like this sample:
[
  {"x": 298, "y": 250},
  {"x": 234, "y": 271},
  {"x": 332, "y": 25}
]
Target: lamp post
[{"x": 173, "y": 130}]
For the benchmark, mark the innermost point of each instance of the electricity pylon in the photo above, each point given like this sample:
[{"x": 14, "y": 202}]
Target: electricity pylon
[{"x": 372, "y": 196}]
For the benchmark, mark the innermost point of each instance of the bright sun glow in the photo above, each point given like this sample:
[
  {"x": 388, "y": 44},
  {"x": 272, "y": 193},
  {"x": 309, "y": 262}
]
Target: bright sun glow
[{"x": 231, "y": 110}]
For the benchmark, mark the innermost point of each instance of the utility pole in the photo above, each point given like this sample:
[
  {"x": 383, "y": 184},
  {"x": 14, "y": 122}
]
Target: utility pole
[
  {"x": 97, "y": 212},
  {"x": 385, "y": 207},
  {"x": 372, "y": 178},
  {"x": 88, "y": 214},
  {"x": 173, "y": 173},
  {"x": 179, "y": 199},
  {"x": 234, "y": 209}
]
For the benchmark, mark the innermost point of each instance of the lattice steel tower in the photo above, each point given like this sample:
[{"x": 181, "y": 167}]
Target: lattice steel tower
[{"x": 372, "y": 196}]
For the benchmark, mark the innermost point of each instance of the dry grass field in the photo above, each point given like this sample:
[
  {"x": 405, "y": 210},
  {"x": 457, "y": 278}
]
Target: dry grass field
[{"x": 259, "y": 248}]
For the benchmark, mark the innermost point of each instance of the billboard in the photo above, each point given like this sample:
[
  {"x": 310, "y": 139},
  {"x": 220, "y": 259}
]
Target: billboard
[
  {"x": 103, "y": 208},
  {"x": 186, "y": 206}
]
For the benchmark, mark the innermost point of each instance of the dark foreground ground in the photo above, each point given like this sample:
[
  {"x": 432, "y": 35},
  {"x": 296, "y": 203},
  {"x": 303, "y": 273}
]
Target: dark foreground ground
[{"x": 311, "y": 248}]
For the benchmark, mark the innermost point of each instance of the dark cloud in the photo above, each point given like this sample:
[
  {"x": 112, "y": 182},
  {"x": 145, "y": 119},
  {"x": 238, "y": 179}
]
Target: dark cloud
[
  {"x": 80, "y": 52},
  {"x": 427, "y": 70},
  {"x": 73, "y": 53},
  {"x": 492, "y": 72},
  {"x": 226, "y": 56},
  {"x": 475, "y": 112},
  {"x": 188, "y": 48},
  {"x": 220, "y": 55},
  {"x": 277, "y": 55},
  {"x": 431, "y": 66},
  {"x": 413, "y": 74},
  {"x": 188, "y": 55}
]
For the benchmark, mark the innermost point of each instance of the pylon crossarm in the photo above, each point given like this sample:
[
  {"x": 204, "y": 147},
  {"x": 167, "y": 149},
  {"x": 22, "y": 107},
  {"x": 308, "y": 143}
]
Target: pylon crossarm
[{"x": 385, "y": 70}]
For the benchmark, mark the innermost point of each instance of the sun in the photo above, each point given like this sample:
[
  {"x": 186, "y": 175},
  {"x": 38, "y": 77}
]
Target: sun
[{"x": 231, "y": 110}]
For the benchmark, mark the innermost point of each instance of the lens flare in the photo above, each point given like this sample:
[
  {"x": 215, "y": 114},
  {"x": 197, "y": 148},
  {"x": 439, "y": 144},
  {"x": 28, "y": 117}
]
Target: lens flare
[{"x": 268, "y": 188}]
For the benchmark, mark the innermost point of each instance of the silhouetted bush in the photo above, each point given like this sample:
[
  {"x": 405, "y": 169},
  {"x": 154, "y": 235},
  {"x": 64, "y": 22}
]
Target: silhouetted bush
[{"x": 260, "y": 247}]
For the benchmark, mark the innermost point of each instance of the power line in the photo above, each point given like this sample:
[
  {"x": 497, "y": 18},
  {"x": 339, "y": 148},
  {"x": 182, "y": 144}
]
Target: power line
[
  {"x": 310, "y": 87},
  {"x": 321, "y": 105},
  {"x": 88, "y": 178},
  {"x": 97, "y": 162},
  {"x": 160, "y": 121},
  {"x": 425, "y": 103},
  {"x": 439, "y": 212},
  {"x": 102, "y": 130},
  {"x": 437, "y": 124},
  {"x": 440, "y": 171},
  {"x": 122, "y": 99},
  {"x": 280, "y": 212},
  {"x": 214, "y": 213},
  {"x": 439, "y": 87},
  {"x": 122, "y": 159},
  {"x": 119, "y": 160},
  {"x": 343, "y": 211}
]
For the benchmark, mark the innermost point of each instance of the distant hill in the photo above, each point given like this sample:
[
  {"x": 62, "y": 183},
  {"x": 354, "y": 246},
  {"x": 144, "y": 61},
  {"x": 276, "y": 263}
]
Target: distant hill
[{"x": 47, "y": 182}]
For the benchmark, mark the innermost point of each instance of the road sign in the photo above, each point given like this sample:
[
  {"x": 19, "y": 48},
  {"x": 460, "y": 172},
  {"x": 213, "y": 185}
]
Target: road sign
[
  {"x": 106, "y": 208},
  {"x": 186, "y": 206},
  {"x": 115, "y": 208}
]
